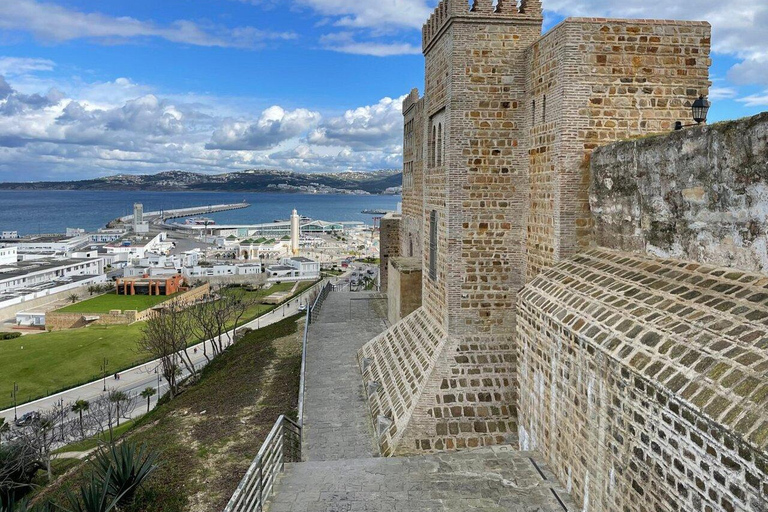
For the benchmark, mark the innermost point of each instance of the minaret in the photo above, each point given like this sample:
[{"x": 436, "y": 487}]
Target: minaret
[{"x": 294, "y": 233}]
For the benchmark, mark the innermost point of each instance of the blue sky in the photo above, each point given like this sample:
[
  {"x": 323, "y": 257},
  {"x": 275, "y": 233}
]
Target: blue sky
[{"x": 93, "y": 88}]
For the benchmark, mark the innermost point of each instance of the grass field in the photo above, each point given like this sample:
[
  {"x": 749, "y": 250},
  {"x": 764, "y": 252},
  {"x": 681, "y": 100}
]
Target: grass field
[
  {"x": 45, "y": 363},
  {"x": 208, "y": 435},
  {"x": 42, "y": 364},
  {"x": 109, "y": 301}
]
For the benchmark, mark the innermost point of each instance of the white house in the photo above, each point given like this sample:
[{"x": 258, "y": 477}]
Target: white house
[
  {"x": 296, "y": 268},
  {"x": 8, "y": 255},
  {"x": 222, "y": 270}
]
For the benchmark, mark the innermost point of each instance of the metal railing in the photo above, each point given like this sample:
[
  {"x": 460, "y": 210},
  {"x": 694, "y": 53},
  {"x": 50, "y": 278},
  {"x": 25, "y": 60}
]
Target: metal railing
[{"x": 283, "y": 444}]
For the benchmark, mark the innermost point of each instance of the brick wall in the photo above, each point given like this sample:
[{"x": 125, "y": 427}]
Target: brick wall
[
  {"x": 643, "y": 383},
  {"x": 413, "y": 176},
  {"x": 404, "y": 288},
  {"x": 593, "y": 81}
]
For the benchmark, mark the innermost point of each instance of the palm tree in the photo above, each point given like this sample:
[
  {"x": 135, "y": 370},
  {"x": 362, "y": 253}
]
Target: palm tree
[
  {"x": 92, "y": 289},
  {"x": 73, "y": 298},
  {"x": 148, "y": 393},
  {"x": 79, "y": 407}
]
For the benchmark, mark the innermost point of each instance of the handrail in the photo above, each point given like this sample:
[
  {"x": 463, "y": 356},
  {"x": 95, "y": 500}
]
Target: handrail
[{"x": 283, "y": 444}]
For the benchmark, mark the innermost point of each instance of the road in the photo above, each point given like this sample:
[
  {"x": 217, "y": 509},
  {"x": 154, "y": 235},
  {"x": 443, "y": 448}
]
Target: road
[{"x": 137, "y": 379}]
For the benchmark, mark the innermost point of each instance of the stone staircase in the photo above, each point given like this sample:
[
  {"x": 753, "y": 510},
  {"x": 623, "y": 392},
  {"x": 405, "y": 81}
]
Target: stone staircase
[{"x": 486, "y": 479}]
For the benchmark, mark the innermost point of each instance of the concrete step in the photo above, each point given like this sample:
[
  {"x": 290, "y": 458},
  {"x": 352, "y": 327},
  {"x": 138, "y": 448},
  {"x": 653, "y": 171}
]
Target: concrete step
[{"x": 489, "y": 479}]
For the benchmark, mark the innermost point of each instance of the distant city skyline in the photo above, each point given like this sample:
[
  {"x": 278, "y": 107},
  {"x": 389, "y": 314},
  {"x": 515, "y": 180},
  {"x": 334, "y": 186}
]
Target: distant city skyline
[{"x": 91, "y": 88}]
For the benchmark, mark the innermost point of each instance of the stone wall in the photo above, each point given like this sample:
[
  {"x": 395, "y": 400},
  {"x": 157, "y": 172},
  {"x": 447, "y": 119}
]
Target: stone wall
[
  {"x": 643, "y": 382},
  {"x": 413, "y": 176},
  {"x": 404, "y": 288},
  {"x": 389, "y": 245},
  {"x": 592, "y": 81},
  {"x": 699, "y": 194}
]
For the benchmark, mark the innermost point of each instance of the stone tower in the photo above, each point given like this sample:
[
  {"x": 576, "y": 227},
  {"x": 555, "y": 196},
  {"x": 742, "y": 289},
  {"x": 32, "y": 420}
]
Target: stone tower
[
  {"x": 458, "y": 390},
  {"x": 294, "y": 233}
]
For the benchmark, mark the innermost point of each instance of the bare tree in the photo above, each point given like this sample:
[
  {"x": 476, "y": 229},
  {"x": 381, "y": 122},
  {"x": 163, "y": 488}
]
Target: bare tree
[
  {"x": 240, "y": 302},
  {"x": 165, "y": 336}
]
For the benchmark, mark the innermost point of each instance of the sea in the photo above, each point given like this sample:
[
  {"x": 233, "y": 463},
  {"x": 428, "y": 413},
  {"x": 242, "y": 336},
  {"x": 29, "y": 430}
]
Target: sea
[{"x": 53, "y": 211}]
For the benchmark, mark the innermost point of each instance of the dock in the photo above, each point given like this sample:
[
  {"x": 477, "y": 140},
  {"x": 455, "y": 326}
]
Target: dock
[{"x": 184, "y": 212}]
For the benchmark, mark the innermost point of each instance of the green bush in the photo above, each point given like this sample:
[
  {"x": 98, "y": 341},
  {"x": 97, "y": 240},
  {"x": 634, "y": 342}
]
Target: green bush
[{"x": 9, "y": 335}]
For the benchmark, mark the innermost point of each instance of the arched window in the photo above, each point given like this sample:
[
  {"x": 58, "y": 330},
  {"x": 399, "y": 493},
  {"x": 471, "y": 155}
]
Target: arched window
[
  {"x": 439, "y": 145},
  {"x": 433, "y": 148}
]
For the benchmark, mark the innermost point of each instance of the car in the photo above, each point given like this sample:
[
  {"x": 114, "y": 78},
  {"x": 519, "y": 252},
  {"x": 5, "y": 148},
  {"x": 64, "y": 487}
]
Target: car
[
  {"x": 303, "y": 307},
  {"x": 28, "y": 419}
]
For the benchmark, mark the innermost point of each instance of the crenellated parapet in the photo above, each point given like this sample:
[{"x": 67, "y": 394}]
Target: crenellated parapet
[
  {"x": 410, "y": 100},
  {"x": 480, "y": 10}
]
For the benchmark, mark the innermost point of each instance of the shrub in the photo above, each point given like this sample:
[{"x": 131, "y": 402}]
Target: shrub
[{"x": 9, "y": 335}]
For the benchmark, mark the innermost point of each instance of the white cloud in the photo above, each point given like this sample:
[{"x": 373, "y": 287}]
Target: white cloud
[
  {"x": 345, "y": 42},
  {"x": 722, "y": 93},
  {"x": 53, "y": 135},
  {"x": 755, "y": 100},
  {"x": 373, "y": 14},
  {"x": 15, "y": 66},
  {"x": 51, "y": 22},
  {"x": 275, "y": 125},
  {"x": 750, "y": 71},
  {"x": 370, "y": 127}
]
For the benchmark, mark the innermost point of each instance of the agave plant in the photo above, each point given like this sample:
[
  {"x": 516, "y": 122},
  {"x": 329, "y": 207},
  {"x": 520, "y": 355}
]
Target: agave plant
[
  {"x": 124, "y": 468},
  {"x": 24, "y": 506},
  {"x": 93, "y": 497}
]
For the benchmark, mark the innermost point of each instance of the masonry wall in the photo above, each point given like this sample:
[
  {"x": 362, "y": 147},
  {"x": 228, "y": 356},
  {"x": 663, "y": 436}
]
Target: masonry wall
[
  {"x": 404, "y": 288},
  {"x": 643, "y": 382},
  {"x": 389, "y": 245},
  {"x": 592, "y": 81},
  {"x": 699, "y": 194},
  {"x": 411, "y": 225}
]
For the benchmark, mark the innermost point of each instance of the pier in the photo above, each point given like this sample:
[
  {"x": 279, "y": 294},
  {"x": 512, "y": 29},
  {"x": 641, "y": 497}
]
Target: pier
[{"x": 183, "y": 212}]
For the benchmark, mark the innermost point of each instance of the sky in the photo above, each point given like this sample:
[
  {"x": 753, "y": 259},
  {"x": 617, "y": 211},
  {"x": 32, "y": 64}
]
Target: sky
[{"x": 93, "y": 88}]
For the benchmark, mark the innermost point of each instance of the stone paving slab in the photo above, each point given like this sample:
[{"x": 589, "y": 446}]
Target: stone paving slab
[
  {"x": 489, "y": 479},
  {"x": 337, "y": 423}
]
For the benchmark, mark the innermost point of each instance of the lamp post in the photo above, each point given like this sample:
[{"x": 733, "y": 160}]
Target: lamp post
[
  {"x": 13, "y": 394},
  {"x": 104, "y": 366},
  {"x": 699, "y": 111}
]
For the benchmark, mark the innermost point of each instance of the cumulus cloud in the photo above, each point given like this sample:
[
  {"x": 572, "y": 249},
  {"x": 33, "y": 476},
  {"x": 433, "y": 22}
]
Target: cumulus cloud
[
  {"x": 370, "y": 14},
  {"x": 275, "y": 125},
  {"x": 53, "y": 135},
  {"x": 51, "y": 22},
  {"x": 370, "y": 127}
]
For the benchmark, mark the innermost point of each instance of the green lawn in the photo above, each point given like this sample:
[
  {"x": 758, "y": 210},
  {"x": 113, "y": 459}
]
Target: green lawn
[
  {"x": 107, "y": 302},
  {"x": 42, "y": 364}
]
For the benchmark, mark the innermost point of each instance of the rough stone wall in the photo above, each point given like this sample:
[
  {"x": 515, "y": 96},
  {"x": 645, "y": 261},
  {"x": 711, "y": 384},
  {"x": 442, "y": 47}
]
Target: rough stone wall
[
  {"x": 698, "y": 194},
  {"x": 55, "y": 321},
  {"x": 592, "y": 81},
  {"x": 389, "y": 245},
  {"x": 411, "y": 226},
  {"x": 643, "y": 382},
  {"x": 404, "y": 288}
]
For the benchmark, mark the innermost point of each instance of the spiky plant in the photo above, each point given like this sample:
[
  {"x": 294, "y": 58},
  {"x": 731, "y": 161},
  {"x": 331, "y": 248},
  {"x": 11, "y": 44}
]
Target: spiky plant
[
  {"x": 125, "y": 468},
  {"x": 94, "y": 496}
]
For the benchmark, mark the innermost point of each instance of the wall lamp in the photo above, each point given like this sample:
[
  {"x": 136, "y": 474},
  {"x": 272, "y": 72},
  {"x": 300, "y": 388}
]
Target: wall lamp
[{"x": 699, "y": 111}]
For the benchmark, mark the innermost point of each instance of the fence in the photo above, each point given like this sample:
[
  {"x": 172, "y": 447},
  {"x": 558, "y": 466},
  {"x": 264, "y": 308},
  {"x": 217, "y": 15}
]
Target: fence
[{"x": 283, "y": 443}]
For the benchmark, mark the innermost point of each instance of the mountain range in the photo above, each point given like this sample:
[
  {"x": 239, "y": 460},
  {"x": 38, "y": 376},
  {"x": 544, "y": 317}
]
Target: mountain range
[{"x": 376, "y": 182}]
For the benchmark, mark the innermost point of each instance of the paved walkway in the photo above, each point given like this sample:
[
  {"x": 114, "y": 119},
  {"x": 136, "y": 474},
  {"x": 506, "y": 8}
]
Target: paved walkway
[
  {"x": 336, "y": 424},
  {"x": 342, "y": 472}
]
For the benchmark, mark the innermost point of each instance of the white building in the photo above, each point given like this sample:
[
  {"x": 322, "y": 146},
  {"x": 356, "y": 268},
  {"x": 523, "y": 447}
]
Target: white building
[
  {"x": 222, "y": 270},
  {"x": 10, "y": 235},
  {"x": 294, "y": 269},
  {"x": 139, "y": 246},
  {"x": 8, "y": 255}
]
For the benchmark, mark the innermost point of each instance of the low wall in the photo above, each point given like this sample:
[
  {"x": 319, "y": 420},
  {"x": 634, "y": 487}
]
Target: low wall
[
  {"x": 699, "y": 194},
  {"x": 403, "y": 288},
  {"x": 642, "y": 383},
  {"x": 55, "y": 321},
  {"x": 389, "y": 245}
]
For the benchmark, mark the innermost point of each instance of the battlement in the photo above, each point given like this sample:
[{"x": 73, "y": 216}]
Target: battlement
[
  {"x": 480, "y": 10},
  {"x": 410, "y": 100}
]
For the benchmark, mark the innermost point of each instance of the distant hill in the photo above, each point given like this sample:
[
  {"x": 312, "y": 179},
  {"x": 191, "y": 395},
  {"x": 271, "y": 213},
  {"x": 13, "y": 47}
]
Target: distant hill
[{"x": 376, "y": 182}]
